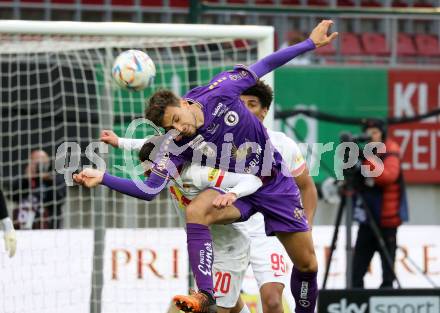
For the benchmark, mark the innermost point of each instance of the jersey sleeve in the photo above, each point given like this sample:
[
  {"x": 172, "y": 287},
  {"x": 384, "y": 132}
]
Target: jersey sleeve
[
  {"x": 131, "y": 144},
  {"x": 298, "y": 162},
  {"x": 161, "y": 172},
  {"x": 240, "y": 184},
  {"x": 150, "y": 189},
  {"x": 231, "y": 84}
]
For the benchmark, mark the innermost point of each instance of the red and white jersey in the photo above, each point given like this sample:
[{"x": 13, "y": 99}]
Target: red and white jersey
[
  {"x": 229, "y": 240},
  {"x": 296, "y": 163}
]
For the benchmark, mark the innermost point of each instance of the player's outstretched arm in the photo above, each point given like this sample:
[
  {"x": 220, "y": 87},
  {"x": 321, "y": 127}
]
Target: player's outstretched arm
[
  {"x": 238, "y": 185},
  {"x": 109, "y": 137},
  {"x": 91, "y": 178},
  {"x": 318, "y": 38}
]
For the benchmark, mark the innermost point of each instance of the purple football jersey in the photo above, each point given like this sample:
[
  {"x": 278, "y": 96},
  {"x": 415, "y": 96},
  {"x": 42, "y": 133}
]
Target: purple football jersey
[{"x": 240, "y": 140}]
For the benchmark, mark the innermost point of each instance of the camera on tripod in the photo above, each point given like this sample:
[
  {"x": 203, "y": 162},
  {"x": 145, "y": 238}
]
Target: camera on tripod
[{"x": 354, "y": 156}]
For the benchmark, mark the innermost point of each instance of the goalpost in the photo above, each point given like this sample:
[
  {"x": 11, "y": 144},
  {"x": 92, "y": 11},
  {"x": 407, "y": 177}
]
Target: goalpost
[{"x": 112, "y": 253}]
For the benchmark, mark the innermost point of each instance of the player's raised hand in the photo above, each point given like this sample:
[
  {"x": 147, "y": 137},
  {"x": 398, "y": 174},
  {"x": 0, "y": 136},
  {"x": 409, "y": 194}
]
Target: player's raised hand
[
  {"x": 224, "y": 200},
  {"x": 109, "y": 137},
  {"x": 89, "y": 177},
  {"x": 10, "y": 242},
  {"x": 319, "y": 34}
]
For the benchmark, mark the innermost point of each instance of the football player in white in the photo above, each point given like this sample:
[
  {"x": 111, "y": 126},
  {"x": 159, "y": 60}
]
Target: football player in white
[{"x": 266, "y": 255}]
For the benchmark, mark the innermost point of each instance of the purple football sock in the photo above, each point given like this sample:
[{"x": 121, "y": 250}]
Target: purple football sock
[
  {"x": 201, "y": 255},
  {"x": 304, "y": 289}
]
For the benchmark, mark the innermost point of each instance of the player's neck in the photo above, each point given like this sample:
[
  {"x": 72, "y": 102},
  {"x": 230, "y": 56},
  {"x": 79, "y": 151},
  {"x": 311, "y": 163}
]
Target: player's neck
[{"x": 196, "y": 109}]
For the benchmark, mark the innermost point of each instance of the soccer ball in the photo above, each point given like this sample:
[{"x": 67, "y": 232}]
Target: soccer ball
[{"x": 133, "y": 70}]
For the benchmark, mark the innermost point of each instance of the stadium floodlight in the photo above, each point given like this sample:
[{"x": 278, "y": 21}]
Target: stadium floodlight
[{"x": 56, "y": 87}]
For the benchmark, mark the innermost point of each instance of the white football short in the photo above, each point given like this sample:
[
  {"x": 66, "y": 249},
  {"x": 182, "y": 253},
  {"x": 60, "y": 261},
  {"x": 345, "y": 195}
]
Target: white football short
[
  {"x": 228, "y": 275},
  {"x": 268, "y": 260}
]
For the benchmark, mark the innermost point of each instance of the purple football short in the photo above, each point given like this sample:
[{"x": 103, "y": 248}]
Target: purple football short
[{"x": 279, "y": 202}]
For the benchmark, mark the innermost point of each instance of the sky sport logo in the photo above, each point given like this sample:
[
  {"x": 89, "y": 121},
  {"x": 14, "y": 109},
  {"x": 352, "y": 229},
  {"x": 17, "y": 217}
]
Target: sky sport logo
[{"x": 390, "y": 304}]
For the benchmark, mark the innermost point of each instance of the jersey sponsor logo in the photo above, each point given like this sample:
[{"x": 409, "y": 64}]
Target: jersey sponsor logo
[
  {"x": 231, "y": 118},
  {"x": 206, "y": 258},
  {"x": 242, "y": 153},
  {"x": 304, "y": 303},
  {"x": 298, "y": 213},
  {"x": 213, "y": 173},
  {"x": 219, "y": 109},
  {"x": 304, "y": 292}
]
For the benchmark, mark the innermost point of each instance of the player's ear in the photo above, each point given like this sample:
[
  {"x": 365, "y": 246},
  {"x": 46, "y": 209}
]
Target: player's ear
[
  {"x": 184, "y": 103},
  {"x": 264, "y": 112}
]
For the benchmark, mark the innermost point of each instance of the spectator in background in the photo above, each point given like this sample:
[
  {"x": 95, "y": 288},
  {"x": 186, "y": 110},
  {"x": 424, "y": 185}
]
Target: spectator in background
[
  {"x": 294, "y": 37},
  {"x": 39, "y": 194},
  {"x": 385, "y": 197},
  {"x": 9, "y": 232}
]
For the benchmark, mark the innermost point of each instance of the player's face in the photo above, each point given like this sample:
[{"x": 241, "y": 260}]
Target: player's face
[
  {"x": 375, "y": 134},
  {"x": 180, "y": 118},
  {"x": 254, "y": 105}
]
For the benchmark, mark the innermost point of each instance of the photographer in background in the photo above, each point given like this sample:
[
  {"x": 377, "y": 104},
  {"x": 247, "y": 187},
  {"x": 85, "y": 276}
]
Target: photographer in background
[
  {"x": 384, "y": 196},
  {"x": 39, "y": 194},
  {"x": 8, "y": 229}
]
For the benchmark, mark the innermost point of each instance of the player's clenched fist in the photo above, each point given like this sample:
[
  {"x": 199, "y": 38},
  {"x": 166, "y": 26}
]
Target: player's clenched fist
[
  {"x": 224, "y": 200},
  {"x": 319, "y": 34},
  {"x": 109, "y": 137},
  {"x": 89, "y": 177}
]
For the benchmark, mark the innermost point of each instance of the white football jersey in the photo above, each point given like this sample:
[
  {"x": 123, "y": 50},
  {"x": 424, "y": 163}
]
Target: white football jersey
[
  {"x": 230, "y": 240},
  {"x": 294, "y": 159}
]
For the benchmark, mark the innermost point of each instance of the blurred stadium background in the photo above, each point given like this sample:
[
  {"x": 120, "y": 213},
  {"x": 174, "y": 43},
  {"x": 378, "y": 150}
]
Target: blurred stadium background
[{"x": 116, "y": 254}]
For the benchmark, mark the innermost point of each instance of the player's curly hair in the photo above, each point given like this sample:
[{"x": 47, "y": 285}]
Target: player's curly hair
[
  {"x": 157, "y": 104},
  {"x": 262, "y": 91}
]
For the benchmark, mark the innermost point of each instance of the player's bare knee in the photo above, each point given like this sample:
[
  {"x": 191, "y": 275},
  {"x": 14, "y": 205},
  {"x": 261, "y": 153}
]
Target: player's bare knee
[
  {"x": 308, "y": 264},
  {"x": 272, "y": 304},
  {"x": 195, "y": 214}
]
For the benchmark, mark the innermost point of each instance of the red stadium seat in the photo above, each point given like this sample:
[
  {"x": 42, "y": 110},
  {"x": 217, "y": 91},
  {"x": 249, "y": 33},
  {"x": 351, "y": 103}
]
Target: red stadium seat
[
  {"x": 375, "y": 44},
  {"x": 122, "y": 2},
  {"x": 94, "y": 2},
  {"x": 290, "y": 2},
  {"x": 64, "y": 1},
  {"x": 241, "y": 43},
  {"x": 427, "y": 45},
  {"x": 350, "y": 44},
  {"x": 422, "y": 4},
  {"x": 399, "y": 4},
  {"x": 405, "y": 45},
  {"x": 326, "y": 50},
  {"x": 371, "y": 4},
  {"x": 317, "y": 2},
  {"x": 345, "y": 3},
  {"x": 151, "y": 3},
  {"x": 237, "y": 1},
  {"x": 264, "y": 2},
  {"x": 179, "y": 3}
]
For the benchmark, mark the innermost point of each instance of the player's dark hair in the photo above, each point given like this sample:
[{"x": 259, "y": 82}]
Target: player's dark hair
[
  {"x": 146, "y": 153},
  {"x": 157, "y": 104},
  {"x": 262, "y": 91}
]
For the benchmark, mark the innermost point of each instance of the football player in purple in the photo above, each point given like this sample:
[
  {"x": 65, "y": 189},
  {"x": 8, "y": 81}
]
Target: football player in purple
[{"x": 213, "y": 125}]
